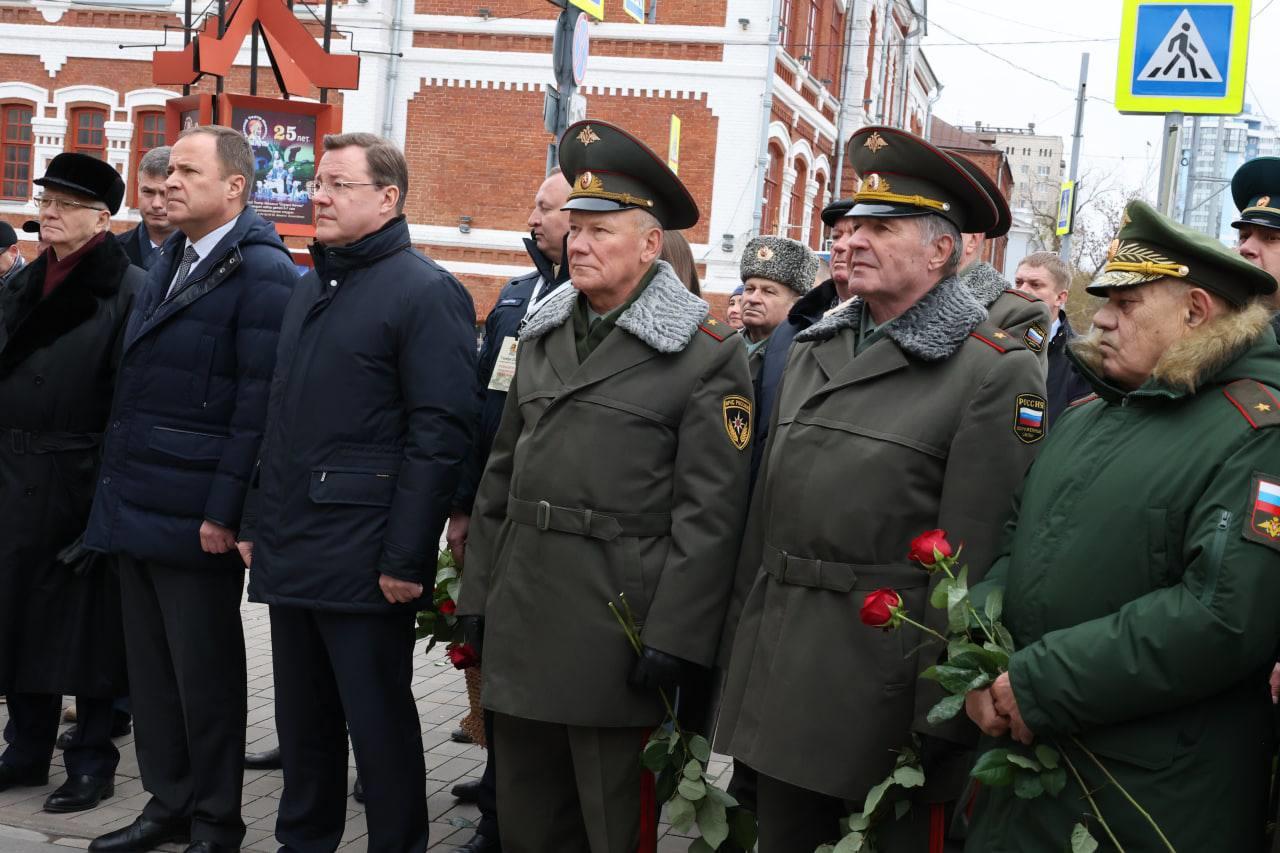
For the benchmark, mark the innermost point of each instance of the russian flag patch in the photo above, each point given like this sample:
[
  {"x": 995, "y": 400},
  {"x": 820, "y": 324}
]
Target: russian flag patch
[
  {"x": 1034, "y": 338},
  {"x": 1028, "y": 417},
  {"x": 1264, "y": 517}
]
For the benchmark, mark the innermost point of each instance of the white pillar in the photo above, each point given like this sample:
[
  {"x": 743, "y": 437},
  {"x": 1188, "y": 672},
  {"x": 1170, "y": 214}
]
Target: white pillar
[
  {"x": 49, "y": 135},
  {"x": 784, "y": 200}
]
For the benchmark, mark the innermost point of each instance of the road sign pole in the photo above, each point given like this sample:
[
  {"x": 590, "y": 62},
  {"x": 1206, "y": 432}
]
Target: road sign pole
[
  {"x": 1170, "y": 153},
  {"x": 1076, "y": 139},
  {"x": 1187, "y": 199}
]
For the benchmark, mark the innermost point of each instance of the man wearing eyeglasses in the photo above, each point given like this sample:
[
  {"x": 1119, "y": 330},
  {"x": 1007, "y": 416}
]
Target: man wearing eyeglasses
[
  {"x": 180, "y": 449},
  {"x": 373, "y": 406}
]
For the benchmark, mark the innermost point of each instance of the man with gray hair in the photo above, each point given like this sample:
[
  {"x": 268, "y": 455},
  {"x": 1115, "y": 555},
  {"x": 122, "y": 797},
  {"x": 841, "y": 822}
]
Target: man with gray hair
[
  {"x": 901, "y": 407},
  {"x": 178, "y": 454},
  {"x": 142, "y": 244}
]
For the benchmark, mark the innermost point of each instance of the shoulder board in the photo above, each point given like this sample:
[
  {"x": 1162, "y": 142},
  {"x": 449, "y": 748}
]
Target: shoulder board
[
  {"x": 996, "y": 338},
  {"x": 1255, "y": 401},
  {"x": 715, "y": 328},
  {"x": 1080, "y": 401},
  {"x": 1021, "y": 295}
]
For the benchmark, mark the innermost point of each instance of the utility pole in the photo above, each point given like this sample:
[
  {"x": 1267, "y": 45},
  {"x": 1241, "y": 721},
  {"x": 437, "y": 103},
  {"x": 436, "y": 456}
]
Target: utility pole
[
  {"x": 1077, "y": 138},
  {"x": 1169, "y": 155},
  {"x": 556, "y": 106}
]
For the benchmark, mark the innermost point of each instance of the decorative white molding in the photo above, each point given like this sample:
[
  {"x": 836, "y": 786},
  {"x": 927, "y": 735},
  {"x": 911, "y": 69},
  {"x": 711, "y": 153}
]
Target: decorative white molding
[
  {"x": 147, "y": 98},
  {"x": 92, "y": 94},
  {"x": 24, "y": 91}
]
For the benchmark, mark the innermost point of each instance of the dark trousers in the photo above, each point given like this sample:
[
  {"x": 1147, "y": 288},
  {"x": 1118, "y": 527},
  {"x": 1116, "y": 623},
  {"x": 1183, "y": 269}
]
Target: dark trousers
[
  {"x": 573, "y": 789},
  {"x": 340, "y": 673},
  {"x": 185, "y": 647},
  {"x": 33, "y": 728},
  {"x": 487, "y": 796},
  {"x": 795, "y": 820}
]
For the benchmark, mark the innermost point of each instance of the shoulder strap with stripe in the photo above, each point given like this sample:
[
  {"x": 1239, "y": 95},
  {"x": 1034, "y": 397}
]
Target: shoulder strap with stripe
[{"x": 1255, "y": 401}]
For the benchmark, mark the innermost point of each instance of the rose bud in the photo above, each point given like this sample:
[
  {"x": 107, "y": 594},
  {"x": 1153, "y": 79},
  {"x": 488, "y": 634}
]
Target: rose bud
[
  {"x": 447, "y": 607},
  {"x": 880, "y": 609},
  {"x": 924, "y": 546},
  {"x": 462, "y": 656}
]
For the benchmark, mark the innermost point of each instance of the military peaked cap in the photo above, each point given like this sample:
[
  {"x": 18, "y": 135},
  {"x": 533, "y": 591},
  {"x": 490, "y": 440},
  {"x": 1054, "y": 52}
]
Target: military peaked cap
[
  {"x": 1004, "y": 219},
  {"x": 1255, "y": 188}
]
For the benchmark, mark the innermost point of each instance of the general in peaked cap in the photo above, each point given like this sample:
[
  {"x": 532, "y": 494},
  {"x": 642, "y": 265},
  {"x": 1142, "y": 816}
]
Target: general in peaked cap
[
  {"x": 1151, "y": 247},
  {"x": 609, "y": 169},
  {"x": 903, "y": 175},
  {"x": 1255, "y": 188},
  {"x": 86, "y": 176}
]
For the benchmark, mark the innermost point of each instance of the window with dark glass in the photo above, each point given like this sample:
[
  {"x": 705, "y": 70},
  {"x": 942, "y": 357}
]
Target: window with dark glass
[
  {"x": 88, "y": 134},
  {"x": 15, "y": 151}
]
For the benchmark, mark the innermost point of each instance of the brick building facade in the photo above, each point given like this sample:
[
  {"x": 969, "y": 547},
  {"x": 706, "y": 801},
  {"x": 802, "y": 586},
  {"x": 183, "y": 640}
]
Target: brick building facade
[{"x": 465, "y": 96}]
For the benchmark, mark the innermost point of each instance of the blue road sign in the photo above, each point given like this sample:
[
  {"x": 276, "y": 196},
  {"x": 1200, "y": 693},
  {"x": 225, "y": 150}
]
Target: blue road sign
[
  {"x": 581, "y": 49},
  {"x": 1183, "y": 50}
]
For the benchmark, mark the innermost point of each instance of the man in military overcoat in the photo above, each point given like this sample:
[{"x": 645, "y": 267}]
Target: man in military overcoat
[
  {"x": 897, "y": 414},
  {"x": 620, "y": 466}
]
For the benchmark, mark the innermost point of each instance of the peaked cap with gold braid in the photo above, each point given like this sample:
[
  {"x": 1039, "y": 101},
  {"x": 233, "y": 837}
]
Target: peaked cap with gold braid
[
  {"x": 903, "y": 175},
  {"x": 1151, "y": 247},
  {"x": 1255, "y": 188},
  {"x": 609, "y": 169}
]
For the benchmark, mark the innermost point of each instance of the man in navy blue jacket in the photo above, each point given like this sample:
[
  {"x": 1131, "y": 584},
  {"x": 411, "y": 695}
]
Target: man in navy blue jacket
[
  {"x": 180, "y": 447},
  {"x": 373, "y": 406}
]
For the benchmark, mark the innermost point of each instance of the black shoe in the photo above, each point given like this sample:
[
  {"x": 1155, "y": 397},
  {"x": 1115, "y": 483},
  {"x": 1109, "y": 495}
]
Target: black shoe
[
  {"x": 467, "y": 792},
  {"x": 210, "y": 847},
  {"x": 17, "y": 777},
  {"x": 139, "y": 836},
  {"x": 357, "y": 790},
  {"x": 121, "y": 724},
  {"x": 480, "y": 844},
  {"x": 459, "y": 736},
  {"x": 64, "y": 739},
  {"x": 79, "y": 793},
  {"x": 265, "y": 760}
]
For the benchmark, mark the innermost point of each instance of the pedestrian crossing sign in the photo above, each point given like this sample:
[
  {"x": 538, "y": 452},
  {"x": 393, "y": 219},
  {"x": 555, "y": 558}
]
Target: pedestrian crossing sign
[{"x": 1179, "y": 56}]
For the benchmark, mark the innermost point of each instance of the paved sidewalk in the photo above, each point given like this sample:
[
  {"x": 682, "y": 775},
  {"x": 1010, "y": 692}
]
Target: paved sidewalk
[{"x": 442, "y": 701}]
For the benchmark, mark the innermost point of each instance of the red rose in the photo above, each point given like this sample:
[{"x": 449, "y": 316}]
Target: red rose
[
  {"x": 462, "y": 655},
  {"x": 447, "y": 607},
  {"x": 880, "y": 608},
  {"x": 923, "y": 546}
]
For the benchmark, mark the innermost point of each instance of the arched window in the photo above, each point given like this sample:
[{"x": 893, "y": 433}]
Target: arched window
[
  {"x": 148, "y": 133},
  {"x": 16, "y": 151},
  {"x": 772, "y": 191},
  {"x": 87, "y": 134},
  {"x": 796, "y": 214}
]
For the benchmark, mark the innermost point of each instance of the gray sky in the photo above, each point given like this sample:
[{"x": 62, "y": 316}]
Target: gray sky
[{"x": 1046, "y": 39}]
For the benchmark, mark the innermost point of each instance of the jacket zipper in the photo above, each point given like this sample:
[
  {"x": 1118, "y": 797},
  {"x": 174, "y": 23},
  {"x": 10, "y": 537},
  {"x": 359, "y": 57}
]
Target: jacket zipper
[{"x": 1216, "y": 546}]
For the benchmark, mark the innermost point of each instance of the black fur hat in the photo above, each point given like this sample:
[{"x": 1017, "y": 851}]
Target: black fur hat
[{"x": 86, "y": 176}]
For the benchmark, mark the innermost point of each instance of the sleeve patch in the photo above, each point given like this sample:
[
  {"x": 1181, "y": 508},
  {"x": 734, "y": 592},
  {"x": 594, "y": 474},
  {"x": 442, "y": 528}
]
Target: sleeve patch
[
  {"x": 1029, "y": 413},
  {"x": 714, "y": 328},
  {"x": 737, "y": 420},
  {"x": 1262, "y": 523},
  {"x": 1255, "y": 402},
  {"x": 1035, "y": 337}
]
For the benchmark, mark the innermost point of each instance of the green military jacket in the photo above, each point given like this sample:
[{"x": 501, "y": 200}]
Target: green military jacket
[
  {"x": 626, "y": 472},
  {"x": 918, "y": 431},
  {"x": 1023, "y": 316},
  {"x": 1142, "y": 587}
]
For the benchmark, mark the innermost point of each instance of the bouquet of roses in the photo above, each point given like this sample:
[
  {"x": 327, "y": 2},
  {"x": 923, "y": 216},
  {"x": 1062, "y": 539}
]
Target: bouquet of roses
[
  {"x": 438, "y": 623},
  {"x": 976, "y": 653}
]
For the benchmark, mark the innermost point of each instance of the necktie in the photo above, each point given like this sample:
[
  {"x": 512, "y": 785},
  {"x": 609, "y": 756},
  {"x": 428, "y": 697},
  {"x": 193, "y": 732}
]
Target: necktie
[{"x": 189, "y": 258}]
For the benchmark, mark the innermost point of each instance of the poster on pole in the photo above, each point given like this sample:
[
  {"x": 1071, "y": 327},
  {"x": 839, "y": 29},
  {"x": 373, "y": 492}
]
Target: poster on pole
[
  {"x": 1066, "y": 209},
  {"x": 673, "y": 145}
]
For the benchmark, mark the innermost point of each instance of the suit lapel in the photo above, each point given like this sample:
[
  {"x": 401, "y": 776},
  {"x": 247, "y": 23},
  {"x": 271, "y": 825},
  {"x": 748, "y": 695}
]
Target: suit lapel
[{"x": 618, "y": 352}]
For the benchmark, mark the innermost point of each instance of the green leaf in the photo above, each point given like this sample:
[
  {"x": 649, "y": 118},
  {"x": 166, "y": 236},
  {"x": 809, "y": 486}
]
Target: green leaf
[
  {"x": 1054, "y": 780},
  {"x": 1047, "y": 756},
  {"x": 699, "y": 748},
  {"x": 454, "y": 588},
  {"x": 857, "y": 822},
  {"x": 825, "y": 848},
  {"x": 665, "y": 788},
  {"x": 957, "y": 608},
  {"x": 654, "y": 756},
  {"x": 854, "y": 842},
  {"x": 693, "y": 770},
  {"x": 698, "y": 845},
  {"x": 1027, "y": 785},
  {"x": 1024, "y": 761},
  {"x": 742, "y": 828},
  {"x": 446, "y": 573},
  {"x": 712, "y": 822},
  {"x": 681, "y": 813},
  {"x": 980, "y": 681},
  {"x": 993, "y": 768},
  {"x": 998, "y": 655},
  {"x": 947, "y": 708},
  {"x": 875, "y": 795},
  {"x": 900, "y": 809},
  {"x": 692, "y": 789},
  {"x": 1005, "y": 638},
  {"x": 994, "y": 604},
  {"x": 938, "y": 598},
  {"x": 1081, "y": 840},
  {"x": 721, "y": 796},
  {"x": 972, "y": 656},
  {"x": 954, "y": 679},
  {"x": 909, "y": 777}
]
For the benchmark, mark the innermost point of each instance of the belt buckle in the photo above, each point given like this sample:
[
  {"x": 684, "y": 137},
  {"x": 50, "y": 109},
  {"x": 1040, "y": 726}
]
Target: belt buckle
[
  {"x": 544, "y": 515},
  {"x": 18, "y": 441}
]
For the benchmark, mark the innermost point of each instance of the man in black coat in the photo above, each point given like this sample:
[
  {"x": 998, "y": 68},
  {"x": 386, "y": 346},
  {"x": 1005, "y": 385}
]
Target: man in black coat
[
  {"x": 548, "y": 234},
  {"x": 1046, "y": 277},
  {"x": 61, "y": 320},
  {"x": 180, "y": 448},
  {"x": 373, "y": 407},
  {"x": 142, "y": 243}
]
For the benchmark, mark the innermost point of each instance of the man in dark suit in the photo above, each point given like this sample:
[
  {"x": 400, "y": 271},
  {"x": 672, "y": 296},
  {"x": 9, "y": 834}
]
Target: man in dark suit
[
  {"x": 142, "y": 244},
  {"x": 180, "y": 447}
]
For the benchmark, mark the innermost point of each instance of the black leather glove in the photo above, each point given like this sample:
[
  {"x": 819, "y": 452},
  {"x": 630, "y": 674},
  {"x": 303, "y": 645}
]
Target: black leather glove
[
  {"x": 658, "y": 670},
  {"x": 473, "y": 632},
  {"x": 79, "y": 559}
]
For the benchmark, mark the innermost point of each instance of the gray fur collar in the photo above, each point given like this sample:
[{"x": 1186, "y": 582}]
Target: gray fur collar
[
  {"x": 931, "y": 330},
  {"x": 984, "y": 282},
  {"x": 665, "y": 317}
]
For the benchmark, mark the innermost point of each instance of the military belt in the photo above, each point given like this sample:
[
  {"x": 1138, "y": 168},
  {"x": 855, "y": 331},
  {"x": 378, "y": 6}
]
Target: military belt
[
  {"x": 586, "y": 522},
  {"x": 839, "y": 577},
  {"x": 22, "y": 441}
]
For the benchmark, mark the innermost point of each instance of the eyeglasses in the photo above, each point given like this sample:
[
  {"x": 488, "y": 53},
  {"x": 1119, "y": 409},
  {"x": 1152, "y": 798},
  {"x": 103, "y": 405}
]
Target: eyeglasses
[
  {"x": 61, "y": 205},
  {"x": 337, "y": 187}
]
